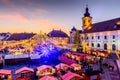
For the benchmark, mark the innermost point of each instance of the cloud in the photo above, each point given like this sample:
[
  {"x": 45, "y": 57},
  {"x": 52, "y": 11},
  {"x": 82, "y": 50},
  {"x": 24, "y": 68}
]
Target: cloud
[
  {"x": 5, "y": 1},
  {"x": 19, "y": 23},
  {"x": 14, "y": 18}
]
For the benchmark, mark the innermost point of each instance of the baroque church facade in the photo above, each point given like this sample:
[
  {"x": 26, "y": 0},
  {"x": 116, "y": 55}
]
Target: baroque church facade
[{"x": 104, "y": 36}]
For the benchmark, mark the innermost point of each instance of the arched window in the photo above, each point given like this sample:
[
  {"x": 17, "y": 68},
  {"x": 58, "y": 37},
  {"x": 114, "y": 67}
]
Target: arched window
[
  {"x": 92, "y": 37},
  {"x": 113, "y": 36},
  {"x": 113, "y": 47},
  {"x": 105, "y": 46},
  {"x": 92, "y": 44},
  {"x": 98, "y": 37},
  {"x": 105, "y": 37},
  {"x": 98, "y": 45}
]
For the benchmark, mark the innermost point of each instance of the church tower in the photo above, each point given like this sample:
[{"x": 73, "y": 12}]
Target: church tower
[{"x": 86, "y": 20}]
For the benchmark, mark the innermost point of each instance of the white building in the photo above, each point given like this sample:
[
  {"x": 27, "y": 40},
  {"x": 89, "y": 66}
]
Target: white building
[{"x": 103, "y": 35}]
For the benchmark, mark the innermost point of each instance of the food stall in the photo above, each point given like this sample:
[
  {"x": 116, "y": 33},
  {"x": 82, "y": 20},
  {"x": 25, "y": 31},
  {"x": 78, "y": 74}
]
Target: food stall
[
  {"x": 62, "y": 66},
  {"x": 45, "y": 70},
  {"x": 5, "y": 74},
  {"x": 24, "y": 73}
]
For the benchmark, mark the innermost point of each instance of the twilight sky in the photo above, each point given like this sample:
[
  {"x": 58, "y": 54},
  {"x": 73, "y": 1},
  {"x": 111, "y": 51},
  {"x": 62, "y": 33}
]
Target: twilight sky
[{"x": 44, "y": 15}]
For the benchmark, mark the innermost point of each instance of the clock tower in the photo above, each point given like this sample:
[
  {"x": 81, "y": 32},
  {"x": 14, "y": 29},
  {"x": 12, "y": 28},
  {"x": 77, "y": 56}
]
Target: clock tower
[{"x": 86, "y": 20}]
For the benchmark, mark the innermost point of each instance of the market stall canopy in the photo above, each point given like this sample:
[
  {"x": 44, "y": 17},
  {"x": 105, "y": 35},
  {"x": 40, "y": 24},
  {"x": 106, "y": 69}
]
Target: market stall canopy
[
  {"x": 48, "y": 78},
  {"x": 61, "y": 66},
  {"x": 75, "y": 64},
  {"x": 44, "y": 67},
  {"x": 70, "y": 76},
  {"x": 3, "y": 71},
  {"x": 24, "y": 70}
]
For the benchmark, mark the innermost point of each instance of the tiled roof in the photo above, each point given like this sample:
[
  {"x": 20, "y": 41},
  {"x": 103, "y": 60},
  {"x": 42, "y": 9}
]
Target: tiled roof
[
  {"x": 108, "y": 25},
  {"x": 57, "y": 33},
  {"x": 20, "y": 36}
]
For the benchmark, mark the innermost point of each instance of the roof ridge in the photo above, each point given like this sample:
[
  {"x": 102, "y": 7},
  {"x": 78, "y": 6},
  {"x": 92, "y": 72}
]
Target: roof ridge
[{"x": 106, "y": 20}]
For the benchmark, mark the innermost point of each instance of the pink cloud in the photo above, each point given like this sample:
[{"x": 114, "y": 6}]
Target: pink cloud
[
  {"x": 29, "y": 25},
  {"x": 5, "y": 1},
  {"x": 14, "y": 18}
]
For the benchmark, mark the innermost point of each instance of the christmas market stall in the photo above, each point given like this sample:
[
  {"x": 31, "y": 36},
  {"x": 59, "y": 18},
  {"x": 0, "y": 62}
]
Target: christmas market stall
[
  {"x": 45, "y": 70},
  {"x": 5, "y": 74},
  {"x": 62, "y": 66},
  {"x": 76, "y": 66},
  {"x": 24, "y": 73}
]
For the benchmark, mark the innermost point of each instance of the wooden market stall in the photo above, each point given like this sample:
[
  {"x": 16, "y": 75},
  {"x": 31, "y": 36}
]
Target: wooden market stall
[
  {"x": 62, "y": 66},
  {"x": 45, "y": 70},
  {"x": 5, "y": 74},
  {"x": 24, "y": 73}
]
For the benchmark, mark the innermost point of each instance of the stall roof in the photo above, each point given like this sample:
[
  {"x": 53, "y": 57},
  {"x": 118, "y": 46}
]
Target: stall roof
[
  {"x": 61, "y": 65},
  {"x": 44, "y": 67},
  {"x": 24, "y": 69},
  {"x": 70, "y": 75},
  {"x": 48, "y": 78},
  {"x": 3, "y": 71}
]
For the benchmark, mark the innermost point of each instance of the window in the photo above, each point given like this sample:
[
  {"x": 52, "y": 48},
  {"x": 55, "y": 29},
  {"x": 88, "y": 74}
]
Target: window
[
  {"x": 98, "y": 37},
  {"x": 98, "y": 45},
  {"x": 92, "y": 44},
  {"x": 113, "y": 47},
  {"x": 82, "y": 38},
  {"x": 92, "y": 37},
  {"x": 105, "y": 46},
  {"x": 113, "y": 36},
  {"x": 87, "y": 38},
  {"x": 105, "y": 37}
]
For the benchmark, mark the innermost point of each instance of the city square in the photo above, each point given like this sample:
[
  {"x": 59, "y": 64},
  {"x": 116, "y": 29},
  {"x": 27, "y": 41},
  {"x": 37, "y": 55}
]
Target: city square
[{"x": 46, "y": 40}]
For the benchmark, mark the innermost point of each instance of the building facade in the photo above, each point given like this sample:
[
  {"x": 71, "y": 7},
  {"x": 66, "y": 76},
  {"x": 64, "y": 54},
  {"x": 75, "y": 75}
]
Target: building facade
[
  {"x": 58, "y": 37},
  {"x": 103, "y": 35}
]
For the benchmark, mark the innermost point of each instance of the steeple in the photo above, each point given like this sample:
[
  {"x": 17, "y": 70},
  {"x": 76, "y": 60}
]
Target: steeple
[
  {"x": 87, "y": 20},
  {"x": 87, "y": 14}
]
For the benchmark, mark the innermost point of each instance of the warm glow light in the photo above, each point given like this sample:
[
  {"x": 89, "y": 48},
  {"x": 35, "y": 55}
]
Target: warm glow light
[{"x": 118, "y": 23}]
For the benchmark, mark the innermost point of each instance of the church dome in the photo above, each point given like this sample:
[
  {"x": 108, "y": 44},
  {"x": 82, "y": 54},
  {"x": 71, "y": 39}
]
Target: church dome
[{"x": 57, "y": 33}]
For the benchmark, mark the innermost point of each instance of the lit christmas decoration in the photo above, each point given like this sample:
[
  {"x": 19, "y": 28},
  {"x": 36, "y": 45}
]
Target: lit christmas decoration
[{"x": 48, "y": 52}]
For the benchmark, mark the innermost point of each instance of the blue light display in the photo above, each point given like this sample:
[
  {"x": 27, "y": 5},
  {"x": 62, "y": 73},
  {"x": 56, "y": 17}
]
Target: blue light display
[{"x": 48, "y": 53}]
